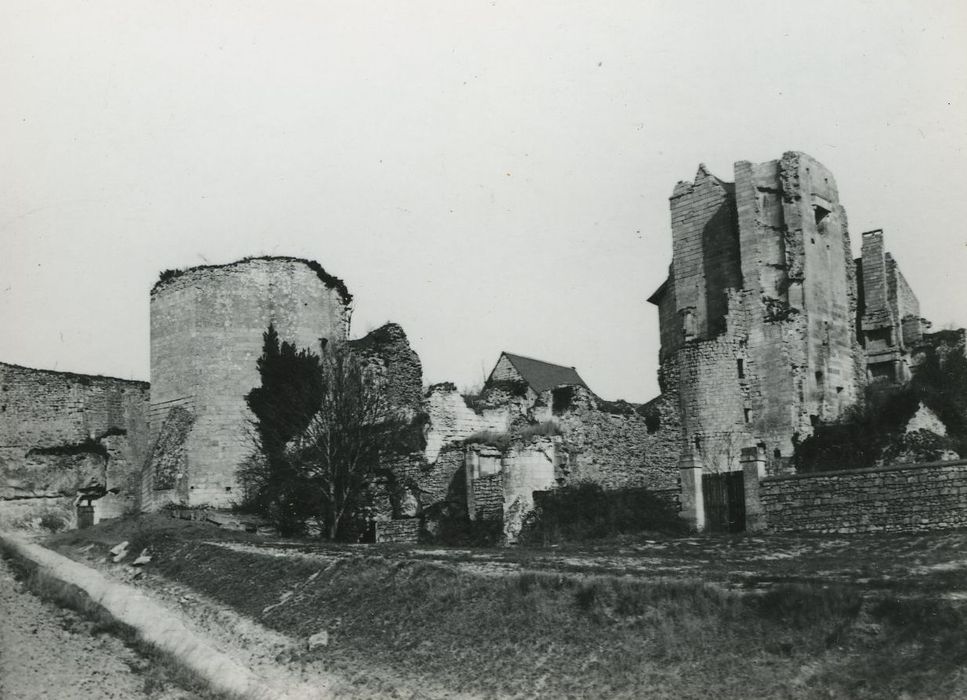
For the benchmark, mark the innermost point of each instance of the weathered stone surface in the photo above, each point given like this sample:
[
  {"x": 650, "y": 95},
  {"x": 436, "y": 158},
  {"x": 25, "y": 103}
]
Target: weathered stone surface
[
  {"x": 402, "y": 531},
  {"x": 758, "y": 313},
  {"x": 206, "y": 335},
  {"x": 899, "y": 498},
  {"x": 61, "y": 431},
  {"x": 619, "y": 445},
  {"x": 388, "y": 354},
  {"x": 451, "y": 420}
]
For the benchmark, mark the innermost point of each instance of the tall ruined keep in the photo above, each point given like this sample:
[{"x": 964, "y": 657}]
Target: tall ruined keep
[
  {"x": 768, "y": 325},
  {"x": 206, "y": 336},
  {"x": 758, "y": 314}
]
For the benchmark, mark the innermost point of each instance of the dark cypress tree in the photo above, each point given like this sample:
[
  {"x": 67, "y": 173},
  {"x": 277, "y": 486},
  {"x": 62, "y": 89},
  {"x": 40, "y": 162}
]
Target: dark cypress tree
[{"x": 289, "y": 396}]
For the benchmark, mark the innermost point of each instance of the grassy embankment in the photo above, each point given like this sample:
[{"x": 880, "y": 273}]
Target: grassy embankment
[
  {"x": 159, "y": 671},
  {"x": 559, "y": 634}
]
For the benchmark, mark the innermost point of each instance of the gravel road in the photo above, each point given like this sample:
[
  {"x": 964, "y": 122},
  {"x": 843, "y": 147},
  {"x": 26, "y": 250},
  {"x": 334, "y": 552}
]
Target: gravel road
[{"x": 48, "y": 652}]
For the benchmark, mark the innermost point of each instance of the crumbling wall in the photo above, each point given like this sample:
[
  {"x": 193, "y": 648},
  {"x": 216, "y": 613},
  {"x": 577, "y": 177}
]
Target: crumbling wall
[
  {"x": 388, "y": 354},
  {"x": 777, "y": 353},
  {"x": 705, "y": 258},
  {"x": 528, "y": 468},
  {"x": 890, "y": 323},
  {"x": 61, "y": 431},
  {"x": 618, "y": 444},
  {"x": 206, "y": 335},
  {"x": 452, "y": 421}
]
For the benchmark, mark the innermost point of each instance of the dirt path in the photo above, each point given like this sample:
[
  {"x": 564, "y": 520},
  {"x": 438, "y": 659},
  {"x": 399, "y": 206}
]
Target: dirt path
[{"x": 47, "y": 652}]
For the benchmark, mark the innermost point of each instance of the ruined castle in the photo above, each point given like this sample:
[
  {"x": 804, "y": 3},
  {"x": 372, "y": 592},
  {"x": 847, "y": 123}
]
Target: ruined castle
[{"x": 768, "y": 328}]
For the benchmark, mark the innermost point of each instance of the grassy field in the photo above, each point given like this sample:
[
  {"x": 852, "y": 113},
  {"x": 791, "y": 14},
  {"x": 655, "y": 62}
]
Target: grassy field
[{"x": 735, "y": 617}]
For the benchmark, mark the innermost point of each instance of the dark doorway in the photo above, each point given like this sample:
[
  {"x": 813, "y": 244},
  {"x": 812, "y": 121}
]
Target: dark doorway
[{"x": 724, "y": 497}]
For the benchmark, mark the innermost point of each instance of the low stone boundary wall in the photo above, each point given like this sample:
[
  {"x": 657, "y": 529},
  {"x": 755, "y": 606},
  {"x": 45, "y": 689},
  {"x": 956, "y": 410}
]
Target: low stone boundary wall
[
  {"x": 906, "y": 497},
  {"x": 403, "y": 531}
]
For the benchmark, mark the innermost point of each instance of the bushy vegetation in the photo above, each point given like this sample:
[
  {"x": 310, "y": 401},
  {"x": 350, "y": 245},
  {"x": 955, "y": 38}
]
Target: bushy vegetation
[
  {"x": 492, "y": 438},
  {"x": 493, "y": 391},
  {"x": 329, "y": 280},
  {"x": 322, "y": 430},
  {"x": 586, "y": 511},
  {"x": 546, "y": 429},
  {"x": 873, "y": 429}
]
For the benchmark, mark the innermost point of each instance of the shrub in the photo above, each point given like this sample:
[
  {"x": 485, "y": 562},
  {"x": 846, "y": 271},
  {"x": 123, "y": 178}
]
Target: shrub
[
  {"x": 586, "y": 511},
  {"x": 458, "y": 530},
  {"x": 492, "y": 438},
  {"x": 873, "y": 429},
  {"x": 54, "y": 520}
]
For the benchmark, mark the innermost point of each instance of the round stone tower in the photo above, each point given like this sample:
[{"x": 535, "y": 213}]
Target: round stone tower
[{"x": 206, "y": 336}]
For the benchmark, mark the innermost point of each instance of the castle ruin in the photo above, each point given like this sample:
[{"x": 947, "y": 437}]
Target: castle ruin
[
  {"x": 768, "y": 328},
  {"x": 206, "y": 335}
]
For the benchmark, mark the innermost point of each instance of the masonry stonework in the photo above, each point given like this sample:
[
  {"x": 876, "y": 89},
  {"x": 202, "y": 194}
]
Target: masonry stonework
[
  {"x": 61, "y": 431},
  {"x": 206, "y": 335},
  {"x": 899, "y": 498}
]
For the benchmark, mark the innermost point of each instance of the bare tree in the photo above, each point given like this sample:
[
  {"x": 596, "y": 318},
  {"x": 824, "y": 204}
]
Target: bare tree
[
  {"x": 323, "y": 430},
  {"x": 348, "y": 439}
]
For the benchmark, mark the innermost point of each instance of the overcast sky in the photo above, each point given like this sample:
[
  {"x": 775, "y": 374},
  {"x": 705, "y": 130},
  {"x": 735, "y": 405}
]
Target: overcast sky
[{"x": 491, "y": 175}]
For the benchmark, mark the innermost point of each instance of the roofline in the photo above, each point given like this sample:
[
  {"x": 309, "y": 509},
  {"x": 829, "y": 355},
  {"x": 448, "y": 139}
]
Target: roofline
[
  {"x": 534, "y": 359},
  {"x": 659, "y": 293},
  {"x": 504, "y": 353}
]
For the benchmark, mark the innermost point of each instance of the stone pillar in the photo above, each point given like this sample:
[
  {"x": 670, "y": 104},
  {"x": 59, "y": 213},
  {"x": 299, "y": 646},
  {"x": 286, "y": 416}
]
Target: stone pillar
[
  {"x": 471, "y": 470},
  {"x": 690, "y": 480},
  {"x": 753, "y": 469}
]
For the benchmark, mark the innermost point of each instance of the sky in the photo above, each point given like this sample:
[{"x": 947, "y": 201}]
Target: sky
[{"x": 491, "y": 175}]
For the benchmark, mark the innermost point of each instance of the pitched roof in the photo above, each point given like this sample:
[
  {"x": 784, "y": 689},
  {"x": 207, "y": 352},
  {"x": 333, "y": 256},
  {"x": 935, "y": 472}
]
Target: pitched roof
[{"x": 541, "y": 375}]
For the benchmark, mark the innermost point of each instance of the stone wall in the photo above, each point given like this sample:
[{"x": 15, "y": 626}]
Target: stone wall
[
  {"x": 705, "y": 260},
  {"x": 764, "y": 290},
  {"x": 61, "y": 431},
  {"x": 889, "y": 315},
  {"x": 402, "y": 531},
  {"x": 452, "y": 421},
  {"x": 909, "y": 497},
  {"x": 388, "y": 354},
  {"x": 527, "y": 468},
  {"x": 620, "y": 445},
  {"x": 206, "y": 335}
]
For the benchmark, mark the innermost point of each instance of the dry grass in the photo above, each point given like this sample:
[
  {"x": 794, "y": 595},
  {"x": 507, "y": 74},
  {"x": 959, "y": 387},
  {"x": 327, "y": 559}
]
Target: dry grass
[
  {"x": 566, "y": 634},
  {"x": 158, "y": 669}
]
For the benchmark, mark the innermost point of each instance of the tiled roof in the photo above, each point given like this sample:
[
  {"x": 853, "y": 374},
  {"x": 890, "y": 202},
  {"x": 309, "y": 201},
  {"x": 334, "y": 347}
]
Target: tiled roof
[{"x": 541, "y": 375}]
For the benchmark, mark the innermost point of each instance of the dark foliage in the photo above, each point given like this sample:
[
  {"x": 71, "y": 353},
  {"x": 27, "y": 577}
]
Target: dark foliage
[
  {"x": 449, "y": 523},
  {"x": 586, "y": 511},
  {"x": 289, "y": 395},
  {"x": 322, "y": 430},
  {"x": 329, "y": 280},
  {"x": 941, "y": 383},
  {"x": 441, "y": 386},
  {"x": 167, "y": 276},
  {"x": 491, "y": 438},
  {"x": 513, "y": 387},
  {"x": 873, "y": 430}
]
